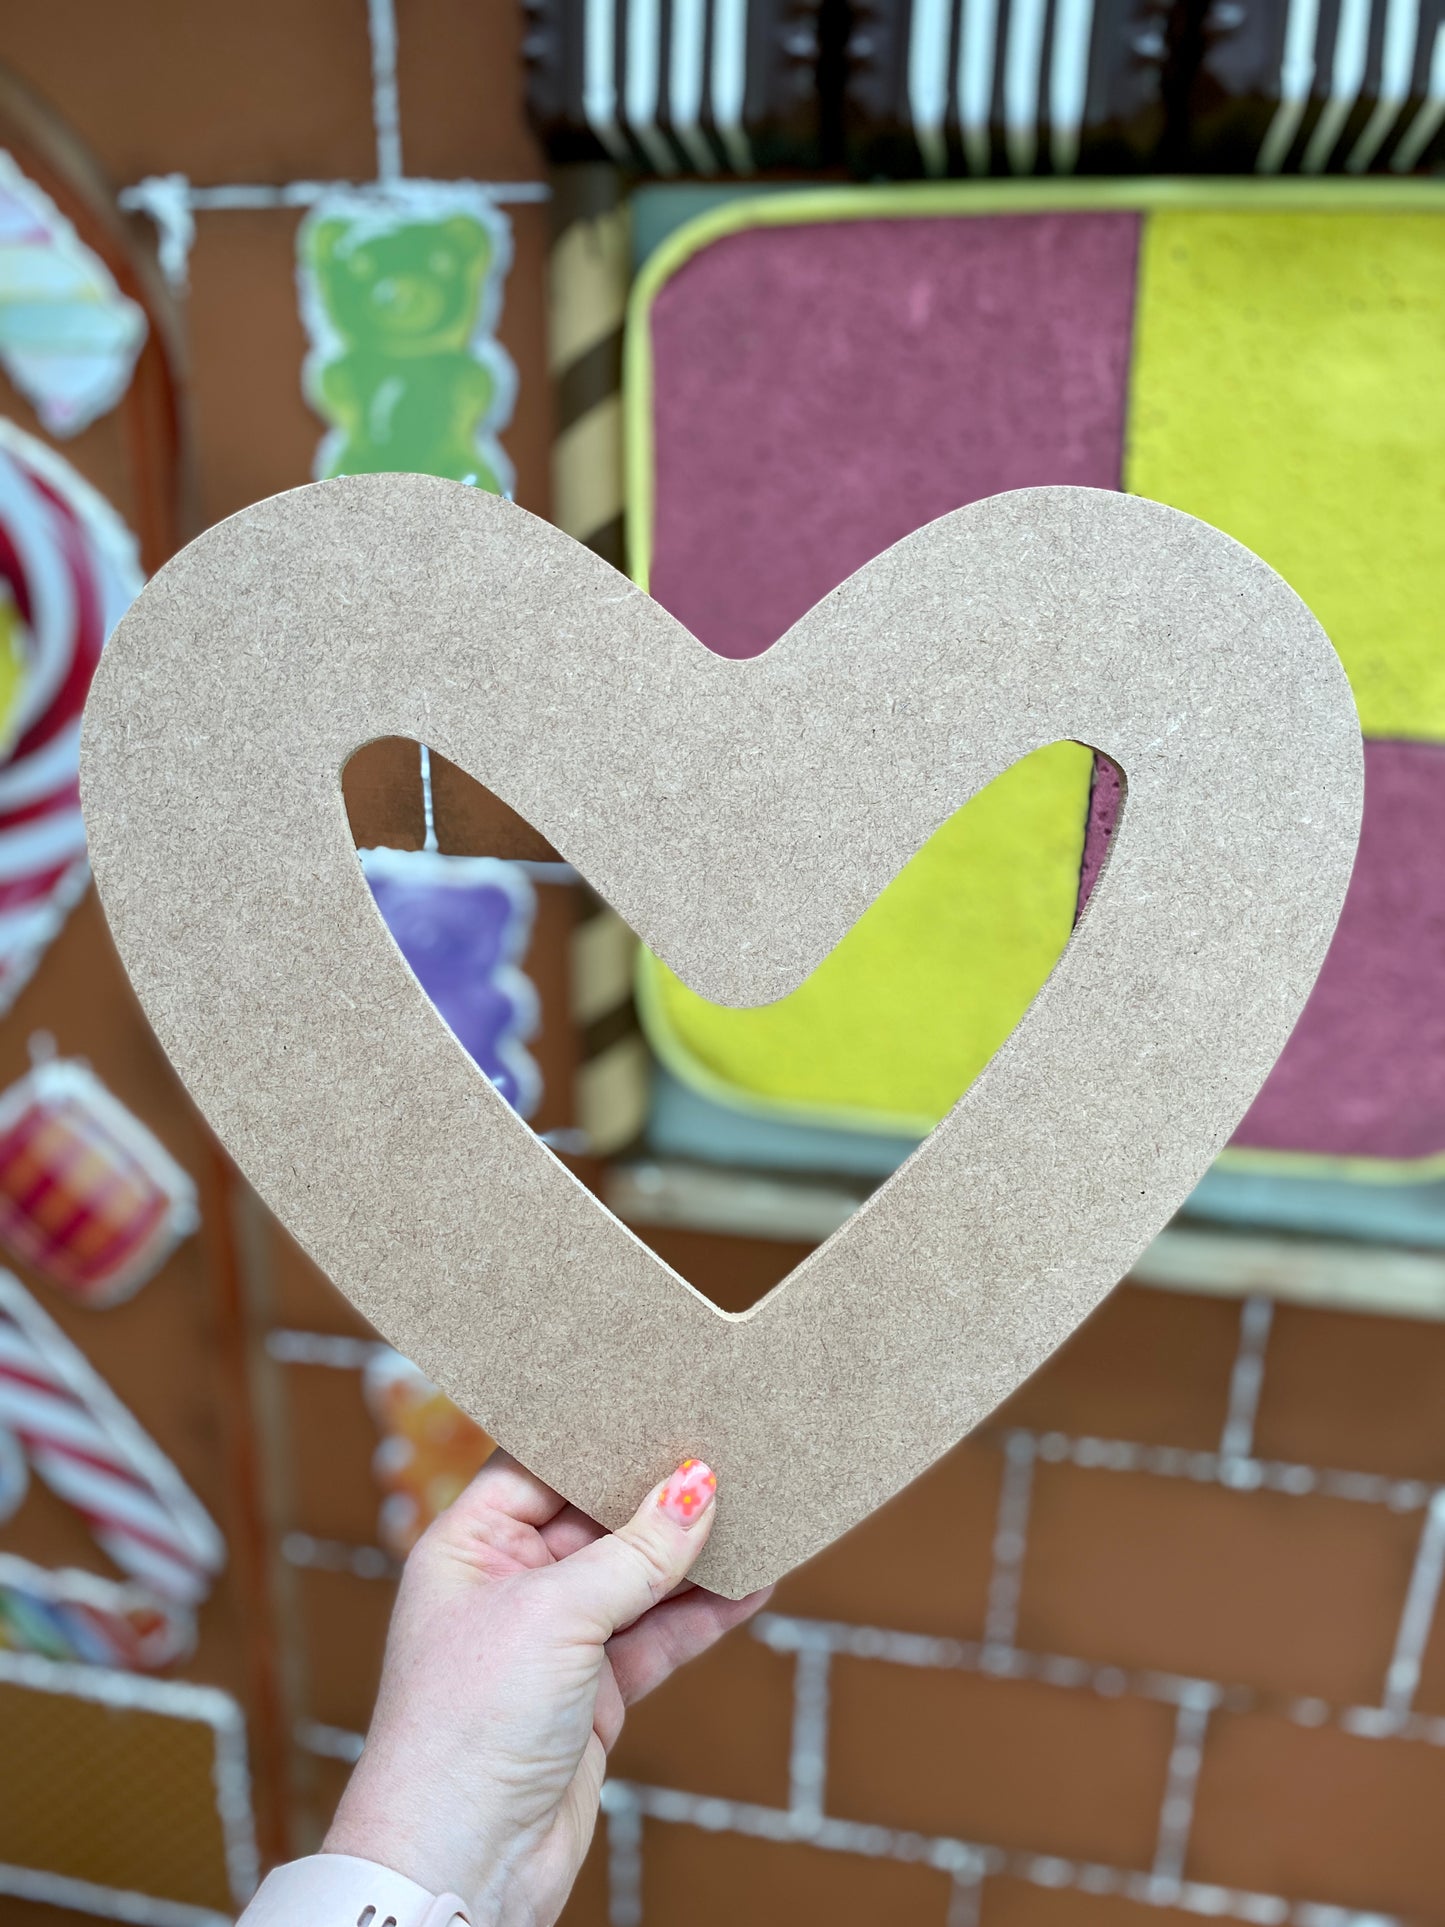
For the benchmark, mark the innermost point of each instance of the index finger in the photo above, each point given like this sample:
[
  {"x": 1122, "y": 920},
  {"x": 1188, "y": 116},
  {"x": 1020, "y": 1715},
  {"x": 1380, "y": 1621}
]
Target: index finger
[{"x": 504, "y": 1486}]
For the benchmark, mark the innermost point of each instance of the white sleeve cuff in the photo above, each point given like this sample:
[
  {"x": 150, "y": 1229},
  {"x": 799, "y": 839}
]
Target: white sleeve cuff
[{"x": 334, "y": 1890}]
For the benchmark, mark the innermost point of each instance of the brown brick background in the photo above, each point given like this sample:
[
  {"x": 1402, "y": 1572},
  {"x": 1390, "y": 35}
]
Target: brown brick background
[
  {"x": 977, "y": 1782},
  {"x": 718, "y": 1880},
  {"x": 1045, "y": 1768},
  {"x": 1285, "y": 1808},
  {"x": 1175, "y": 1576}
]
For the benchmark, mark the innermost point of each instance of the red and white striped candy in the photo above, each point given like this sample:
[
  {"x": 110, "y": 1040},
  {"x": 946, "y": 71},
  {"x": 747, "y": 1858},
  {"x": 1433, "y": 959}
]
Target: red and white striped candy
[
  {"x": 70, "y": 564},
  {"x": 90, "y": 1451}
]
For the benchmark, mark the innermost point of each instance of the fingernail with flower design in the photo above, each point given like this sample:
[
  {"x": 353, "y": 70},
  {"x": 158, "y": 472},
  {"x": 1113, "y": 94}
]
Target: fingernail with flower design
[{"x": 687, "y": 1495}]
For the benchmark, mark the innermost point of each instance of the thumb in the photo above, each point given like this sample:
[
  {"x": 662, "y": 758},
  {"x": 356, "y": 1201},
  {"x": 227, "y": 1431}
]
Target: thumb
[{"x": 615, "y": 1579}]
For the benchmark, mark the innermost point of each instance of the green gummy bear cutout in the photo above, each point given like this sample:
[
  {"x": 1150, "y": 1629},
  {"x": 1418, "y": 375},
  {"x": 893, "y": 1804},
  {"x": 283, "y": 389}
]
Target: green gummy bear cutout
[{"x": 406, "y": 384}]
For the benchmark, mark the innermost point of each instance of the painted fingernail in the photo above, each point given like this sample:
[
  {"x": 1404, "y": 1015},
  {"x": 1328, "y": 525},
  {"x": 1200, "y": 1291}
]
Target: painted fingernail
[{"x": 689, "y": 1492}]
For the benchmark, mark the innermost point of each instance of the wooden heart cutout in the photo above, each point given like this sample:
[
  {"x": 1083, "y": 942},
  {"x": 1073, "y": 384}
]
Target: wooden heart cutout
[{"x": 740, "y": 816}]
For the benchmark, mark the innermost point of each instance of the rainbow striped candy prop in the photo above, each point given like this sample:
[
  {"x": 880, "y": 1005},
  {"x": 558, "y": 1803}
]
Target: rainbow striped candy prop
[{"x": 69, "y": 1615}]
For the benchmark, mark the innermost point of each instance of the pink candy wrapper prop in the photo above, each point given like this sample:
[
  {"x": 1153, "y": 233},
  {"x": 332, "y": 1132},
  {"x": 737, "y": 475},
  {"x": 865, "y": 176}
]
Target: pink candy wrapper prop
[{"x": 88, "y": 1197}]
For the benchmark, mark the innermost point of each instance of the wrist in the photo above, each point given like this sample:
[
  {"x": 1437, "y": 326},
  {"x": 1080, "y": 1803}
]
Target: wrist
[{"x": 420, "y": 1850}]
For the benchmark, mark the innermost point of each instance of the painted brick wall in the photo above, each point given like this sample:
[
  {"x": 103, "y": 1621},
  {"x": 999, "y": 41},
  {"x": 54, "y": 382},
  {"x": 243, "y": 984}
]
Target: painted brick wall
[{"x": 1161, "y": 1643}]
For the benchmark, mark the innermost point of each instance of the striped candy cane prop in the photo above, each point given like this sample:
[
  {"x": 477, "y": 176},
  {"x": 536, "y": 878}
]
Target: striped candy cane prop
[
  {"x": 68, "y": 572},
  {"x": 90, "y": 1451}
]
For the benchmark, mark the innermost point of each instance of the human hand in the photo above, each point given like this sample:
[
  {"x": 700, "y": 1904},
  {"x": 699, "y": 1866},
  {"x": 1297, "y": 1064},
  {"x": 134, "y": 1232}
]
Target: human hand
[{"x": 522, "y": 1632}]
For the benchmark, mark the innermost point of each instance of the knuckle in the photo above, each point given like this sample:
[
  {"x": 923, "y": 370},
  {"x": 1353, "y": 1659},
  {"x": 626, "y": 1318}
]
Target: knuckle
[
  {"x": 489, "y": 1540},
  {"x": 650, "y": 1554}
]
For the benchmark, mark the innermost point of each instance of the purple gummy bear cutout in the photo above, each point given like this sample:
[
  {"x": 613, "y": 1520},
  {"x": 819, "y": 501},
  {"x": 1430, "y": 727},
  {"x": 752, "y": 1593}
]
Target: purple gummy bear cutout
[{"x": 463, "y": 923}]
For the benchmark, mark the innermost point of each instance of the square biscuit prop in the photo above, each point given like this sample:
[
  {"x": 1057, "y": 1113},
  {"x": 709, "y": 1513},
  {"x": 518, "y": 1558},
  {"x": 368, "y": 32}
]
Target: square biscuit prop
[{"x": 740, "y": 816}]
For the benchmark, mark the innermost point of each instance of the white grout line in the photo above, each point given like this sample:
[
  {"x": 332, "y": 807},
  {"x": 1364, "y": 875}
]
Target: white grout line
[
  {"x": 1010, "y": 1541},
  {"x": 1418, "y": 1616},
  {"x": 292, "y": 1347},
  {"x": 172, "y": 202},
  {"x": 231, "y": 1782},
  {"x": 808, "y": 1758},
  {"x": 328, "y": 1742},
  {"x": 1379, "y": 1723},
  {"x": 969, "y": 1863},
  {"x": 624, "y": 1855},
  {"x": 1311, "y": 1914},
  {"x": 257, "y": 197},
  {"x": 964, "y": 1901},
  {"x": 788, "y": 1635},
  {"x": 165, "y": 198},
  {"x": 332, "y": 1555},
  {"x": 625, "y": 1804},
  {"x": 289, "y": 1347},
  {"x": 834, "y": 1836},
  {"x": 385, "y": 100},
  {"x": 1242, "y": 1474},
  {"x": 1247, "y": 1379},
  {"x": 428, "y": 802},
  {"x": 108, "y": 1903},
  {"x": 1176, "y": 1816}
]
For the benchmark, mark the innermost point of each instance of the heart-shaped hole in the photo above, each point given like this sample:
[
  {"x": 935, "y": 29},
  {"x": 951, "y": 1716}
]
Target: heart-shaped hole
[{"x": 731, "y": 1141}]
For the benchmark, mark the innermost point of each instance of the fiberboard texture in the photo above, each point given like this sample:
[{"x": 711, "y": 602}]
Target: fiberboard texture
[{"x": 819, "y": 393}]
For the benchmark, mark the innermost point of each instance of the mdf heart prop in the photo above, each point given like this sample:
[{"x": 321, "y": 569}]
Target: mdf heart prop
[{"x": 740, "y": 816}]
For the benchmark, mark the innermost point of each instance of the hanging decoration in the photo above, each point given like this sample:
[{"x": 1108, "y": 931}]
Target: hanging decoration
[
  {"x": 88, "y": 1197},
  {"x": 80, "y": 1616},
  {"x": 68, "y": 572},
  {"x": 92, "y": 1453},
  {"x": 429, "y": 1450},
  {"x": 463, "y": 923},
  {"x": 68, "y": 337},
  {"x": 401, "y": 288}
]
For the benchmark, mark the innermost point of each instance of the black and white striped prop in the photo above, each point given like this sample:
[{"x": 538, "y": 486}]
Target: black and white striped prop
[
  {"x": 677, "y": 86},
  {"x": 1318, "y": 86},
  {"x": 951, "y": 87}
]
